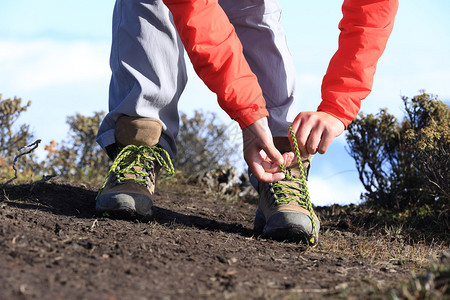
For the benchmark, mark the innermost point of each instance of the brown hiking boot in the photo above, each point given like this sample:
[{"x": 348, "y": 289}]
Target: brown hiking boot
[
  {"x": 131, "y": 179},
  {"x": 284, "y": 209}
]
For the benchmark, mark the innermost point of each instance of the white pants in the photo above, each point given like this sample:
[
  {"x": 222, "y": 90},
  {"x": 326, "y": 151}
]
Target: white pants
[{"x": 149, "y": 72}]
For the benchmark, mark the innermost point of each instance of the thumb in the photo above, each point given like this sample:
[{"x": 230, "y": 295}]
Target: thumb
[{"x": 273, "y": 153}]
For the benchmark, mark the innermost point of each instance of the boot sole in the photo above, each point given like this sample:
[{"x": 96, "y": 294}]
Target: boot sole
[
  {"x": 125, "y": 206},
  {"x": 281, "y": 230},
  {"x": 292, "y": 234}
]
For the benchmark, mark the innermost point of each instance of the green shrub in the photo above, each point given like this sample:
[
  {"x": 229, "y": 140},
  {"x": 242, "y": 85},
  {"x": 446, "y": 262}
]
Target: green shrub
[
  {"x": 79, "y": 157},
  {"x": 429, "y": 139},
  {"x": 203, "y": 144},
  {"x": 404, "y": 165},
  {"x": 13, "y": 138}
]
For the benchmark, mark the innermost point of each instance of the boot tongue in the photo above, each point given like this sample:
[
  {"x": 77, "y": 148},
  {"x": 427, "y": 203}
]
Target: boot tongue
[
  {"x": 282, "y": 143},
  {"x": 137, "y": 131}
]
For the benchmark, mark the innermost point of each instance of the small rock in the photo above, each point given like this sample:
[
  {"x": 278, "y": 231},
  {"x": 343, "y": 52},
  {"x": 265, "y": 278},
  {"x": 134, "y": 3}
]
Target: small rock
[
  {"x": 388, "y": 270},
  {"x": 341, "y": 286},
  {"x": 341, "y": 270}
]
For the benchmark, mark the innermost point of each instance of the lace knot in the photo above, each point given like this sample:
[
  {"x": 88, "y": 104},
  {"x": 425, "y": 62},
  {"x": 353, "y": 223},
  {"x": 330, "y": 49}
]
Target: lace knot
[{"x": 137, "y": 163}]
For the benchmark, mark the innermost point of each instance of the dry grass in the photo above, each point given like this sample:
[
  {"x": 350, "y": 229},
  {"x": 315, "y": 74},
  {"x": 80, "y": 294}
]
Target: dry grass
[
  {"x": 434, "y": 283},
  {"x": 380, "y": 247}
]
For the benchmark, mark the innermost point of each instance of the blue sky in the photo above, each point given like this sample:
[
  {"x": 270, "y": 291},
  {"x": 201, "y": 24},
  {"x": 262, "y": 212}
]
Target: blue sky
[{"x": 55, "y": 53}]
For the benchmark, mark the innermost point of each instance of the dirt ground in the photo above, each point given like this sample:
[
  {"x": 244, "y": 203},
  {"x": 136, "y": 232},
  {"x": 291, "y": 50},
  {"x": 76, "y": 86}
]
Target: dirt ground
[{"x": 200, "y": 245}]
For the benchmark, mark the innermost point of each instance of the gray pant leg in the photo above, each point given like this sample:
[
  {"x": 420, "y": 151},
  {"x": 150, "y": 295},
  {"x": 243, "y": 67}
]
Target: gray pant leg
[
  {"x": 257, "y": 24},
  {"x": 149, "y": 74},
  {"x": 148, "y": 69}
]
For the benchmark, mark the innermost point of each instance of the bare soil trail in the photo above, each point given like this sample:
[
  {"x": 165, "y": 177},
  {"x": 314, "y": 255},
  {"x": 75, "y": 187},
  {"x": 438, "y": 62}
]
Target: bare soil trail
[{"x": 200, "y": 245}]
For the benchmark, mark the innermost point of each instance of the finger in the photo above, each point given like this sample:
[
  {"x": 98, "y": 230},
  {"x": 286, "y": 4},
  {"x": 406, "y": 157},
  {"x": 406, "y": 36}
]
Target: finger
[
  {"x": 302, "y": 131},
  {"x": 270, "y": 167},
  {"x": 302, "y": 138},
  {"x": 313, "y": 141},
  {"x": 328, "y": 136},
  {"x": 267, "y": 163},
  {"x": 288, "y": 158},
  {"x": 296, "y": 127},
  {"x": 260, "y": 164},
  {"x": 260, "y": 174},
  {"x": 296, "y": 122},
  {"x": 263, "y": 155},
  {"x": 273, "y": 153},
  {"x": 272, "y": 177},
  {"x": 325, "y": 142}
]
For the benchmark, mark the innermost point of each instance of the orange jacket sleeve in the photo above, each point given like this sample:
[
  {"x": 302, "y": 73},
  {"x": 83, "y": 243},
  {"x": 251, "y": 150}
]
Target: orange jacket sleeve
[
  {"x": 216, "y": 54},
  {"x": 365, "y": 28}
]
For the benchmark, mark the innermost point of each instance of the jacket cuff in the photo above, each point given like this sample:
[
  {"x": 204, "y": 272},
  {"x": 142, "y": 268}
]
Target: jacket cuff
[
  {"x": 250, "y": 115},
  {"x": 334, "y": 111}
]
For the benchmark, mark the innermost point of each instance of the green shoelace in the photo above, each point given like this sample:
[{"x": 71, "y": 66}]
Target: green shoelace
[
  {"x": 294, "y": 189},
  {"x": 121, "y": 166}
]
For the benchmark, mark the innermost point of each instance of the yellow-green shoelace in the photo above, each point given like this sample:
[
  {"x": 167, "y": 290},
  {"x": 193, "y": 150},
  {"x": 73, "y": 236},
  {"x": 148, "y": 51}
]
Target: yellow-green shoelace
[
  {"x": 120, "y": 166},
  {"x": 284, "y": 191}
]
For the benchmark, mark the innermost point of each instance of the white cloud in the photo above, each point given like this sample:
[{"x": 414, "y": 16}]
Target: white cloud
[
  {"x": 59, "y": 77},
  {"x": 333, "y": 190},
  {"x": 41, "y": 64}
]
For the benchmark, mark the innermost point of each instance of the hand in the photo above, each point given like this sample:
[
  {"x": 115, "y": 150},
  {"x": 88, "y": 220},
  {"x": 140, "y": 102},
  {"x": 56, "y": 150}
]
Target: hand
[
  {"x": 262, "y": 157},
  {"x": 315, "y": 131}
]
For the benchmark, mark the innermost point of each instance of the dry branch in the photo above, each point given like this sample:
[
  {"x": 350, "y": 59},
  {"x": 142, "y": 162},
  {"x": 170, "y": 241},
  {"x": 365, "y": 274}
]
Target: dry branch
[
  {"x": 43, "y": 179},
  {"x": 32, "y": 147}
]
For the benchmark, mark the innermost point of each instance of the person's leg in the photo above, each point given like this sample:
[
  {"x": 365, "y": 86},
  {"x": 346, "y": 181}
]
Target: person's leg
[
  {"x": 148, "y": 77},
  {"x": 284, "y": 213},
  {"x": 258, "y": 26},
  {"x": 148, "y": 69}
]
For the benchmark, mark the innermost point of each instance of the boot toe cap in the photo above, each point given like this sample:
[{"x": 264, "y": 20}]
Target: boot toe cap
[
  {"x": 291, "y": 226},
  {"x": 133, "y": 203}
]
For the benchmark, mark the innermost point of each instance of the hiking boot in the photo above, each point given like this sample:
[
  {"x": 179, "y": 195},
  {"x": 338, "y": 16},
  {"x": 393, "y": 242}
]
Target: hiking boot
[
  {"x": 131, "y": 180},
  {"x": 284, "y": 209}
]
